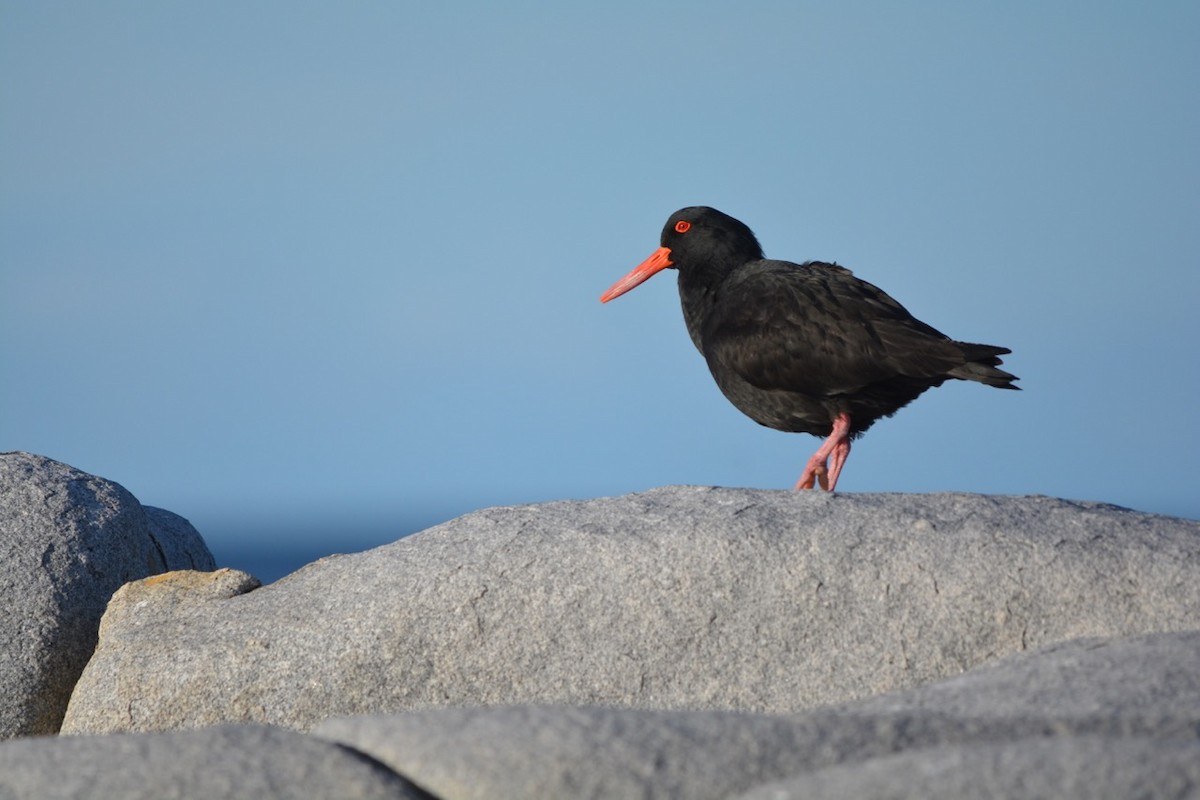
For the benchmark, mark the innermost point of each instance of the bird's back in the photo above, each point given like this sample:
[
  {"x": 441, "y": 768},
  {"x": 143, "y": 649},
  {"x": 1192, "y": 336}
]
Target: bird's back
[{"x": 792, "y": 345}]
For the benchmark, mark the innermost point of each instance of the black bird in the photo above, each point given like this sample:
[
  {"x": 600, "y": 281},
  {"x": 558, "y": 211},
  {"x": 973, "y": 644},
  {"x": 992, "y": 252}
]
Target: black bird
[{"x": 803, "y": 347}]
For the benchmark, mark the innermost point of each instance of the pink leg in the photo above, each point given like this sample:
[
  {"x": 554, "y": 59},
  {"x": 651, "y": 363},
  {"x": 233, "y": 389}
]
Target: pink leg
[
  {"x": 837, "y": 460},
  {"x": 837, "y": 446}
]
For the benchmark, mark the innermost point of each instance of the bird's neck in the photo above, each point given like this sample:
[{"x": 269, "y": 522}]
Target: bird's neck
[
  {"x": 699, "y": 289},
  {"x": 703, "y": 274}
]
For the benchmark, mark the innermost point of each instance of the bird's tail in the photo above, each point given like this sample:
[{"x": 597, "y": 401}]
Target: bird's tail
[{"x": 982, "y": 360}]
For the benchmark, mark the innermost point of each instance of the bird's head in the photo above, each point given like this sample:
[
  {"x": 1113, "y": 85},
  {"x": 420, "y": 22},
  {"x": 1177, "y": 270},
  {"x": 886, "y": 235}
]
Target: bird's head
[{"x": 697, "y": 237}]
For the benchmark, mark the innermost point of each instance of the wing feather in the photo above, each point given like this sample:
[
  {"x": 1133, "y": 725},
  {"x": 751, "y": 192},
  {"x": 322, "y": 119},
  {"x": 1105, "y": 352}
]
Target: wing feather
[{"x": 816, "y": 329}]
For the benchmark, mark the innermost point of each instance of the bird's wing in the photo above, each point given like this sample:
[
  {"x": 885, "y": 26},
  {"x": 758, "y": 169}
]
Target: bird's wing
[{"x": 816, "y": 329}]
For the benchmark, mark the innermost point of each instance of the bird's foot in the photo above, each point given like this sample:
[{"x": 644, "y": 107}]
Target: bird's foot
[
  {"x": 812, "y": 475},
  {"x": 835, "y": 448}
]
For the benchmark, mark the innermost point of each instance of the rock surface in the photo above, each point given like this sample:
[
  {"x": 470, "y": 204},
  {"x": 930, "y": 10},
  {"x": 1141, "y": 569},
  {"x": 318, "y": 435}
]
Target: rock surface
[
  {"x": 223, "y": 762},
  {"x": 1007, "y": 730},
  {"x": 701, "y": 643},
  {"x": 179, "y": 544},
  {"x": 68, "y": 540},
  {"x": 678, "y": 598},
  {"x": 1091, "y": 718},
  {"x": 1034, "y": 768}
]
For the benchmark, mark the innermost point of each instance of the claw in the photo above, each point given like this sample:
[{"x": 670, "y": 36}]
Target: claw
[
  {"x": 811, "y": 475},
  {"x": 837, "y": 447}
]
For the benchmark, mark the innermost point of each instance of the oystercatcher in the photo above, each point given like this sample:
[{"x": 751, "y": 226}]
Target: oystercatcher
[{"x": 803, "y": 347}]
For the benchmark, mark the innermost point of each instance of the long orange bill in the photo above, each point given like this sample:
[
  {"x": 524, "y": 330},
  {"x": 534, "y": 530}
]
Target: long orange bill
[{"x": 660, "y": 259}]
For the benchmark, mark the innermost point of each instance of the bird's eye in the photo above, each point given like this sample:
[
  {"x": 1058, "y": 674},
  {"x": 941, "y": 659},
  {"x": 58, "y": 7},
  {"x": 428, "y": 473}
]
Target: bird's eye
[{"x": 683, "y": 226}]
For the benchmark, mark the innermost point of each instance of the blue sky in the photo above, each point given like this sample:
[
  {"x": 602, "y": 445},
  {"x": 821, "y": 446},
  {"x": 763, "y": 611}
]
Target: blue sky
[{"x": 339, "y": 263}]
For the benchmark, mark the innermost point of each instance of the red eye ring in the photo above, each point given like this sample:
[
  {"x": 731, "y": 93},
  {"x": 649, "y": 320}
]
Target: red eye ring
[{"x": 683, "y": 226}]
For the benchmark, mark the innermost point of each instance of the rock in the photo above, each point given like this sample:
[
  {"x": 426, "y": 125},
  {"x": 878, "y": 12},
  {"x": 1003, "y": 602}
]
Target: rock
[
  {"x": 221, "y": 762},
  {"x": 68, "y": 540},
  {"x": 1034, "y": 768},
  {"x": 1067, "y": 721},
  {"x": 678, "y": 598},
  {"x": 1149, "y": 676},
  {"x": 179, "y": 544}
]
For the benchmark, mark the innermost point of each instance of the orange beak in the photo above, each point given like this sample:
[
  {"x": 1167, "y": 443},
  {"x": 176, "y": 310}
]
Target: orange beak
[{"x": 659, "y": 260}]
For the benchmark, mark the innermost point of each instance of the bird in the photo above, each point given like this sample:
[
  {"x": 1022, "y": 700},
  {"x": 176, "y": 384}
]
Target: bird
[{"x": 803, "y": 347}]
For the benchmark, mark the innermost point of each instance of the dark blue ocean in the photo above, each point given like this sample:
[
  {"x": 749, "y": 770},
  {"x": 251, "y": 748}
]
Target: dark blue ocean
[{"x": 272, "y": 548}]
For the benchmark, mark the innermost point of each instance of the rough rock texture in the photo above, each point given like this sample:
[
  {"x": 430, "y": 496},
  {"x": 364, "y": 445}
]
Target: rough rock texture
[
  {"x": 1086, "y": 719},
  {"x": 1151, "y": 676},
  {"x": 678, "y": 598},
  {"x": 1091, "y": 718},
  {"x": 245, "y": 761},
  {"x": 180, "y": 545},
  {"x": 68, "y": 540},
  {"x": 1035, "y": 768}
]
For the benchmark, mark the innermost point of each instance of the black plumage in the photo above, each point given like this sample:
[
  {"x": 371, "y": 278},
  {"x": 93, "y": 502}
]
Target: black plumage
[{"x": 803, "y": 347}]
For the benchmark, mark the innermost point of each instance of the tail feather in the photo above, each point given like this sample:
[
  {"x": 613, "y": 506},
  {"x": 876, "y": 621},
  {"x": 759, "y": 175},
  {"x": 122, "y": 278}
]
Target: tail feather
[{"x": 982, "y": 361}]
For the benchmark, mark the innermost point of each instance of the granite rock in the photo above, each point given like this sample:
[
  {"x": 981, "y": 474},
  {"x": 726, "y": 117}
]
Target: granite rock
[
  {"x": 677, "y": 598},
  {"x": 68, "y": 540},
  {"x": 179, "y": 544},
  {"x": 1033, "y": 768},
  {"x": 1090, "y": 718},
  {"x": 1067, "y": 721},
  {"x": 225, "y": 762}
]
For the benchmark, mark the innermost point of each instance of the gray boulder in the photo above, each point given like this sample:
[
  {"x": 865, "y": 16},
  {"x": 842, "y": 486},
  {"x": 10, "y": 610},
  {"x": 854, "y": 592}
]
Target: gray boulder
[
  {"x": 231, "y": 762},
  {"x": 1069, "y": 721},
  {"x": 678, "y": 598},
  {"x": 68, "y": 540},
  {"x": 179, "y": 544},
  {"x": 1147, "y": 677},
  {"x": 1033, "y": 768}
]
